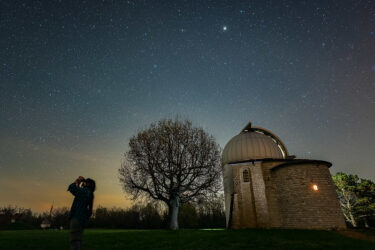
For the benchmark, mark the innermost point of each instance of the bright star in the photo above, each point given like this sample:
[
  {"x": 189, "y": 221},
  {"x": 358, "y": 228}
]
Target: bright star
[{"x": 225, "y": 28}]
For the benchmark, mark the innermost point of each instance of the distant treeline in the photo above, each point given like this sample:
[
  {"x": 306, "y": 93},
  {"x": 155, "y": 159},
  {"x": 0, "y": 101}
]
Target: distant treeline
[
  {"x": 140, "y": 216},
  {"x": 356, "y": 197}
]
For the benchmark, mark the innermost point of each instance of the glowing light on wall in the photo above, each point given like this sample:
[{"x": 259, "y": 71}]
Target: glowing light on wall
[{"x": 315, "y": 187}]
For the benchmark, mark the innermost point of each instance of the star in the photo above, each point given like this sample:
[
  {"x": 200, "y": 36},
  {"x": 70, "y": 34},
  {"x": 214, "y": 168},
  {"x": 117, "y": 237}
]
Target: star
[{"x": 225, "y": 28}]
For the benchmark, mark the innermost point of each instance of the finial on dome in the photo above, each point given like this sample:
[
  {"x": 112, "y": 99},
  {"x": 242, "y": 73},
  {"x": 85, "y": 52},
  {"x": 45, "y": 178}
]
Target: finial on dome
[{"x": 247, "y": 127}]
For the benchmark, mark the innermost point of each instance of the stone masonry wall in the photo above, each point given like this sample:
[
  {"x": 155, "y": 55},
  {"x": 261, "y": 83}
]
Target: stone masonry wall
[
  {"x": 274, "y": 220},
  {"x": 260, "y": 200},
  {"x": 228, "y": 190},
  {"x": 243, "y": 215},
  {"x": 250, "y": 203},
  {"x": 237, "y": 200},
  {"x": 302, "y": 207}
]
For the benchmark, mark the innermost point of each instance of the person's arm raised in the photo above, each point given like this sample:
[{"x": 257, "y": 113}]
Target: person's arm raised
[{"x": 74, "y": 187}]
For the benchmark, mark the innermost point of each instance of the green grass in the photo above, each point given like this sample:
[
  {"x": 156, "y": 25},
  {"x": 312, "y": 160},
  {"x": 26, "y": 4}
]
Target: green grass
[{"x": 184, "y": 239}]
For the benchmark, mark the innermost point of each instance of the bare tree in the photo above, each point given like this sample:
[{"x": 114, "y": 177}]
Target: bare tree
[{"x": 172, "y": 162}]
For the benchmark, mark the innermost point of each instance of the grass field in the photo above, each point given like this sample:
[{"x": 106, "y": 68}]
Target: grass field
[{"x": 183, "y": 239}]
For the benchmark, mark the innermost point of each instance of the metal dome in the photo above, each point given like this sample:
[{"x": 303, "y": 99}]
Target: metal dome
[{"x": 253, "y": 143}]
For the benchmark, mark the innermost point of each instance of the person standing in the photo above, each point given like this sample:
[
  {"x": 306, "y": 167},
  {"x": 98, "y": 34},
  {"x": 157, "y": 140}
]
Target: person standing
[{"x": 81, "y": 210}]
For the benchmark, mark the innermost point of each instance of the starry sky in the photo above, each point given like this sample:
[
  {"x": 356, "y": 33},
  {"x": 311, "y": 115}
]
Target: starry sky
[{"x": 79, "y": 78}]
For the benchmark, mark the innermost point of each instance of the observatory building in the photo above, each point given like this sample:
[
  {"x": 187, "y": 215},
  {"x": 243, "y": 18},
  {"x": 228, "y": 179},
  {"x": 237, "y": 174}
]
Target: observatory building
[{"x": 265, "y": 187}]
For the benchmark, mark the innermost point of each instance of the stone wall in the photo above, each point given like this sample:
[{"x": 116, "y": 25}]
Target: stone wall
[
  {"x": 228, "y": 189},
  {"x": 244, "y": 215},
  {"x": 280, "y": 195},
  {"x": 272, "y": 189},
  {"x": 260, "y": 200},
  {"x": 250, "y": 208},
  {"x": 300, "y": 206}
]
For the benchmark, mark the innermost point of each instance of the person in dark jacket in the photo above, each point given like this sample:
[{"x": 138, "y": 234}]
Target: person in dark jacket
[{"x": 81, "y": 210}]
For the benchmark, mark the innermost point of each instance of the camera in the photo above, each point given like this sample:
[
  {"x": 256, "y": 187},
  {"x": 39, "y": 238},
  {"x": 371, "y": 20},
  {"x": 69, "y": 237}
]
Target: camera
[{"x": 82, "y": 182}]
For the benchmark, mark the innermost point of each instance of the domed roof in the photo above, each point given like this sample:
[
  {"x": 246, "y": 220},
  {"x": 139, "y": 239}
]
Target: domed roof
[{"x": 253, "y": 143}]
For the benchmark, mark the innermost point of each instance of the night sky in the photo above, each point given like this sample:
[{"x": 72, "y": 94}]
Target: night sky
[{"x": 79, "y": 78}]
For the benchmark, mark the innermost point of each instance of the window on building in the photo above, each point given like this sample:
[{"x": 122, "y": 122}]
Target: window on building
[{"x": 245, "y": 174}]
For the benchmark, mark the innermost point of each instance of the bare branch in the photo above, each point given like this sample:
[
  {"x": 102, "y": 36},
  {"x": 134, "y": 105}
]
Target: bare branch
[{"x": 171, "y": 157}]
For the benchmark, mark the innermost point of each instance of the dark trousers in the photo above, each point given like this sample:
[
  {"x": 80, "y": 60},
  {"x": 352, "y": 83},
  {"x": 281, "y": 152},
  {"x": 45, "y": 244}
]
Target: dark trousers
[{"x": 76, "y": 231}]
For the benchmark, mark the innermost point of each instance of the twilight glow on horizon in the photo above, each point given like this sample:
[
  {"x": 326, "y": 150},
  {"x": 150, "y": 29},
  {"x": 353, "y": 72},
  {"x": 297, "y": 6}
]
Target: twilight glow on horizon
[{"x": 79, "y": 79}]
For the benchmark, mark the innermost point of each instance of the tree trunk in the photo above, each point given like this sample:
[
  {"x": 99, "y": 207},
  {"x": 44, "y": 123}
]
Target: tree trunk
[
  {"x": 173, "y": 213},
  {"x": 366, "y": 223},
  {"x": 350, "y": 209},
  {"x": 352, "y": 220}
]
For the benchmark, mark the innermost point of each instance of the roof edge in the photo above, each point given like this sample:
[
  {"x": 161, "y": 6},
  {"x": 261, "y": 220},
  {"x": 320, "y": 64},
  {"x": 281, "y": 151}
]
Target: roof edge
[
  {"x": 286, "y": 162},
  {"x": 303, "y": 161}
]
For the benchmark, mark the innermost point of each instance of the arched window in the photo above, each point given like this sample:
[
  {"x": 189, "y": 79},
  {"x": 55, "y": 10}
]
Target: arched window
[{"x": 245, "y": 175}]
